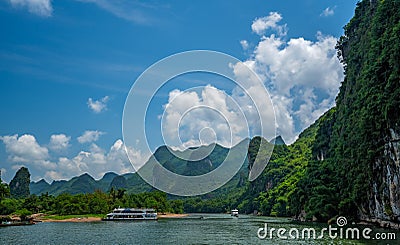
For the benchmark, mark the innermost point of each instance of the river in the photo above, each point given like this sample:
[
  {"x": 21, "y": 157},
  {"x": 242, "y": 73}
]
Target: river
[{"x": 194, "y": 229}]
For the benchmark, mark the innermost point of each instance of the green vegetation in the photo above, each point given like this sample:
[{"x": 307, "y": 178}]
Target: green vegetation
[
  {"x": 85, "y": 195},
  {"x": 270, "y": 193},
  {"x": 220, "y": 200},
  {"x": 132, "y": 182},
  {"x": 330, "y": 169},
  {"x": 97, "y": 202},
  {"x": 349, "y": 152},
  {"x": 338, "y": 166},
  {"x": 4, "y": 191},
  {"x": 19, "y": 185}
]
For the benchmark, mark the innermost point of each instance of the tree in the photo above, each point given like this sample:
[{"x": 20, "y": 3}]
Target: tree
[
  {"x": 4, "y": 191},
  {"x": 19, "y": 185},
  {"x": 353, "y": 152}
]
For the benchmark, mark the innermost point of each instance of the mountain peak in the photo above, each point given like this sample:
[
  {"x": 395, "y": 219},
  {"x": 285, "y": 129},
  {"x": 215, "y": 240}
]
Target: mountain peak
[
  {"x": 85, "y": 176},
  {"x": 109, "y": 175},
  {"x": 278, "y": 140},
  {"x": 42, "y": 181}
]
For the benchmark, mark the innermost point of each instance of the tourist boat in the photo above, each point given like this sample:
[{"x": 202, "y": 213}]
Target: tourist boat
[
  {"x": 235, "y": 213},
  {"x": 132, "y": 214}
]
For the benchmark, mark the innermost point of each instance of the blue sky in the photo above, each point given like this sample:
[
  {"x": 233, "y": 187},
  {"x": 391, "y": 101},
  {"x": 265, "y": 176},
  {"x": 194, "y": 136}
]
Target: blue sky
[{"x": 66, "y": 68}]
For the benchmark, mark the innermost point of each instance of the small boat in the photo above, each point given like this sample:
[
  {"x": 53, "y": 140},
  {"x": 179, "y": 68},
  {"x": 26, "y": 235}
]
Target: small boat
[
  {"x": 131, "y": 214},
  {"x": 15, "y": 223},
  {"x": 235, "y": 213}
]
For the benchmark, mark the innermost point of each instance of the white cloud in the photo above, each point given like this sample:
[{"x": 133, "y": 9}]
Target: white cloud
[
  {"x": 299, "y": 62},
  {"x": 245, "y": 44},
  {"x": 328, "y": 12},
  {"x": 59, "y": 142},
  {"x": 89, "y": 136},
  {"x": 17, "y": 166},
  {"x": 193, "y": 118},
  {"x": 254, "y": 100},
  {"x": 261, "y": 25},
  {"x": 97, "y": 162},
  {"x": 24, "y": 149},
  {"x": 38, "y": 7},
  {"x": 98, "y": 106},
  {"x": 303, "y": 76}
]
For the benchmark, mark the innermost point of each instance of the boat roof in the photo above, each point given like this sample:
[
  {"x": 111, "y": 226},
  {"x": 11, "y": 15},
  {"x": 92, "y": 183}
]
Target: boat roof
[{"x": 135, "y": 209}]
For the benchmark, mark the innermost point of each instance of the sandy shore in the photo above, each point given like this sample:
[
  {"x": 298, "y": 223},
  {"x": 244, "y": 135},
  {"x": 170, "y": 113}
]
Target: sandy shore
[
  {"x": 83, "y": 219},
  {"x": 169, "y": 215}
]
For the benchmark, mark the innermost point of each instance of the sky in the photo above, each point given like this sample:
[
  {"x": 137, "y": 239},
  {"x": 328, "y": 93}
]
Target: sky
[{"x": 66, "y": 68}]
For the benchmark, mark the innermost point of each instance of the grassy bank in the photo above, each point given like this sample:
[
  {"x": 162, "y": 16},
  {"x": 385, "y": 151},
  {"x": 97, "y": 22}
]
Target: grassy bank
[{"x": 66, "y": 217}]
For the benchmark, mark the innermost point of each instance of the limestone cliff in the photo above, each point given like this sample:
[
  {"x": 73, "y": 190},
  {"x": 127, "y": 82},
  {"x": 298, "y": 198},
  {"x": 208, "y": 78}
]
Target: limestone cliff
[{"x": 355, "y": 170}]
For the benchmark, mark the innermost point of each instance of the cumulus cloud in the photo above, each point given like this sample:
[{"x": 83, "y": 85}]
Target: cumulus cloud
[
  {"x": 97, "y": 161},
  {"x": 261, "y": 25},
  {"x": 98, "y": 106},
  {"x": 328, "y": 12},
  {"x": 38, "y": 7},
  {"x": 89, "y": 136},
  {"x": 24, "y": 149},
  {"x": 59, "y": 142},
  {"x": 192, "y": 118},
  {"x": 302, "y": 76}
]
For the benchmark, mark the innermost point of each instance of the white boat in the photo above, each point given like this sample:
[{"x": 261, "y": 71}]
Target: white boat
[
  {"x": 132, "y": 214},
  {"x": 235, "y": 212}
]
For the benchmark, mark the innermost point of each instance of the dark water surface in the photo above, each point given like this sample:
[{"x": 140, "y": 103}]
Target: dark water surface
[{"x": 210, "y": 229}]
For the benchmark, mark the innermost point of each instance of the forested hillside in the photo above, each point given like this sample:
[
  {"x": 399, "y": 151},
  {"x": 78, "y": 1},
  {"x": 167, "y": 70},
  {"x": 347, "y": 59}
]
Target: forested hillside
[
  {"x": 269, "y": 194},
  {"x": 355, "y": 159},
  {"x": 347, "y": 163}
]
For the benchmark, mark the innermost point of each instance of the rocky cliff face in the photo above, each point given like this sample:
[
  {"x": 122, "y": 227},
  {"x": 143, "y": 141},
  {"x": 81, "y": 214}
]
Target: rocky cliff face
[
  {"x": 366, "y": 135},
  {"x": 355, "y": 170},
  {"x": 19, "y": 185},
  {"x": 384, "y": 198}
]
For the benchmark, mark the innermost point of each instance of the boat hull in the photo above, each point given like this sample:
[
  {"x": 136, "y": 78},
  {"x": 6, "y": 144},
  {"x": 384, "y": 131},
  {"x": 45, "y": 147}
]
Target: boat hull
[
  {"x": 127, "y": 219},
  {"x": 131, "y": 214}
]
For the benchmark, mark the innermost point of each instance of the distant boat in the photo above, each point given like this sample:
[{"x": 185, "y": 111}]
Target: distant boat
[
  {"x": 131, "y": 214},
  {"x": 235, "y": 213}
]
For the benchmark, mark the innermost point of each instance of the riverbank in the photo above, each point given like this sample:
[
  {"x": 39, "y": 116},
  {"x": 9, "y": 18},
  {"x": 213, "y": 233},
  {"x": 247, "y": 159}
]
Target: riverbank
[
  {"x": 67, "y": 218},
  {"x": 75, "y": 220},
  {"x": 90, "y": 217},
  {"x": 171, "y": 215}
]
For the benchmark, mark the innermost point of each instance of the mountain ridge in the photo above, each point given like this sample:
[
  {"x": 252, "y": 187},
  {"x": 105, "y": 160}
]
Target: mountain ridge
[{"x": 132, "y": 182}]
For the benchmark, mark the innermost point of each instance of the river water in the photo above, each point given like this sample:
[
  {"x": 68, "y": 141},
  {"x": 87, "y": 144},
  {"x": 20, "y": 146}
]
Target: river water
[{"x": 194, "y": 229}]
